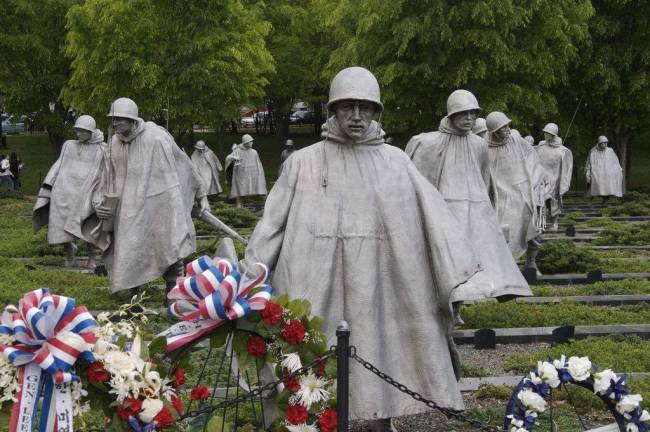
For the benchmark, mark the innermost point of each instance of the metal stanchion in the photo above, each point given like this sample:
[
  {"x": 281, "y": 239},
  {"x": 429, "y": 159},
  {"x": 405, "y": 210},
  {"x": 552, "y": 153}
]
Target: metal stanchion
[{"x": 342, "y": 375}]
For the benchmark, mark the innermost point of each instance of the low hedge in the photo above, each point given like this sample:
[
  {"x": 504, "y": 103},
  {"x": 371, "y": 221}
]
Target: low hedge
[
  {"x": 631, "y": 208},
  {"x": 565, "y": 257},
  {"x": 627, "y": 286},
  {"x": 628, "y": 234},
  {"x": 512, "y": 314}
]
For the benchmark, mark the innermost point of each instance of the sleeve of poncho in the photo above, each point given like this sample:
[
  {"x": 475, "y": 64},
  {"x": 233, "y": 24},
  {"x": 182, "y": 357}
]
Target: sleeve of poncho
[
  {"x": 216, "y": 161},
  {"x": 567, "y": 171},
  {"x": 484, "y": 161},
  {"x": 588, "y": 168},
  {"x": 41, "y": 211},
  {"x": 188, "y": 175},
  {"x": 266, "y": 242}
]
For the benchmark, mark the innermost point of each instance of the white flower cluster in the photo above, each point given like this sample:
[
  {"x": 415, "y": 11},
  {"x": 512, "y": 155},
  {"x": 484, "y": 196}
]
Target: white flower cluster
[
  {"x": 580, "y": 370},
  {"x": 8, "y": 381}
]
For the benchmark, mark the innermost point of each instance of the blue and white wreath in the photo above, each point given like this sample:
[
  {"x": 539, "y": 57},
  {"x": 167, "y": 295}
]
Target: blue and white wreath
[{"x": 528, "y": 399}]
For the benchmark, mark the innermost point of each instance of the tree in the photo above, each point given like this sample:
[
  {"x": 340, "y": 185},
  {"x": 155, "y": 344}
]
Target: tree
[
  {"x": 510, "y": 53},
  {"x": 201, "y": 60},
  {"x": 33, "y": 69},
  {"x": 613, "y": 76}
]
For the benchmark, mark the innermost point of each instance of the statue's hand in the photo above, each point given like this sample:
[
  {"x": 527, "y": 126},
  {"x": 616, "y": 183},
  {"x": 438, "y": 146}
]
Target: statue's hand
[
  {"x": 103, "y": 212},
  {"x": 204, "y": 205}
]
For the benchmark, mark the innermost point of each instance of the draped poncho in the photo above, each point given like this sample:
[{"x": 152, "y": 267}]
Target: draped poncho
[
  {"x": 458, "y": 165},
  {"x": 518, "y": 187},
  {"x": 557, "y": 161},
  {"x": 71, "y": 179},
  {"x": 247, "y": 173},
  {"x": 604, "y": 173},
  {"x": 208, "y": 166},
  {"x": 353, "y": 227}
]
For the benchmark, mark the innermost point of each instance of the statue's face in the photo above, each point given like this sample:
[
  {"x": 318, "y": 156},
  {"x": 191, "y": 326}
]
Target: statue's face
[
  {"x": 602, "y": 145},
  {"x": 354, "y": 117},
  {"x": 464, "y": 120},
  {"x": 502, "y": 133},
  {"x": 82, "y": 134},
  {"x": 248, "y": 145},
  {"x": 123, "y": 126},
  {"x": 548, "y": 136}
]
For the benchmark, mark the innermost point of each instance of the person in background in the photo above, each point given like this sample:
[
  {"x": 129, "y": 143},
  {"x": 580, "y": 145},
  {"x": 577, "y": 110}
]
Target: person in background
[
  {"x": 15, "y": 166},
  {"x": 5, "y": 172}
]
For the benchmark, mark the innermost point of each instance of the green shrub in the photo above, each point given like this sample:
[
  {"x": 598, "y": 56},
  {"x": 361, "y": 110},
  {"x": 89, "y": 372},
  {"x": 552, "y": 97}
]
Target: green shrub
[
  {"x": 491, "y": 391},
  {"x": 627, "y": 286},
  {"x": 635, "y": 196},
  {"x": 629, "y": 234},
  {"x": 630, "y": 208},
  {"x": 512, "y": 314},
  {"x": 634, "y": 265},
  {"x": 565, "y": 257},
  {"x": 470, "y": 370},
  {"x": 602, "y": 222}
]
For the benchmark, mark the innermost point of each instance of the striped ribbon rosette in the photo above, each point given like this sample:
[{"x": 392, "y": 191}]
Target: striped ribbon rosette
[
  {"x": 49, "y": 335},
  {"x": 213, "y": 293}
]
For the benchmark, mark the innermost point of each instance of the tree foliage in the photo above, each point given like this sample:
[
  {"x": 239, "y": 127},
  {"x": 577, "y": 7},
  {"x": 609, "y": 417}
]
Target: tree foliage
[
  {"x": 511, "y": 53},
  {"x": 201, "y": 60}
]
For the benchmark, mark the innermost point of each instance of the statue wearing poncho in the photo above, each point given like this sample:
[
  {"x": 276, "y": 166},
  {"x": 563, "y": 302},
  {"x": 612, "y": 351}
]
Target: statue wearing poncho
[
  {"x": 157, "y": 184},
  {"x": 353, "y": 227},
  {"x": 518, "y": 187},
  {"x": 208, "y": 166},
  {"x": 603, "y": 171},
  {"x": 557, "y": 161},
  {"x": 456, "y": 162},
  {"x": 247, "y": 173}
]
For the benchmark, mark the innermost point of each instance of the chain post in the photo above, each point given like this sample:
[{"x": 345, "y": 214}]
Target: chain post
[{"x": 342, "y": 375}]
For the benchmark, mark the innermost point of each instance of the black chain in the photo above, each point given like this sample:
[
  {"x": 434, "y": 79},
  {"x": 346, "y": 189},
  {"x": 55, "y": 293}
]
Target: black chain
[
  {"x": 258, "y": 391},
  {"x": 418, "y": 397}
]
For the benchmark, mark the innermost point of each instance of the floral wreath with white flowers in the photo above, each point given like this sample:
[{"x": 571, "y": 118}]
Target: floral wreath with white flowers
[
  {"x": 284, "y": 334},
  {"x": 528, "y": 399}
]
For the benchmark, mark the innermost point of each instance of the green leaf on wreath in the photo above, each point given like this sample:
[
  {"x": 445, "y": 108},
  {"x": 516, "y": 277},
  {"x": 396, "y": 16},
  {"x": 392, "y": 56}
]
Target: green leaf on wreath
[
  {"x": 218, "y": 337},
  {"x": 283, "y": 400},
  {"x": 217, "y": 424},
  {"x": 244, "y": 359},
  {"x": 330, "y": 367},
  {"x": 295, "y": 306},
  {"x": 283, "y": 300},
  {"x": 240, "y": 341},
  {"x": 316, "y": 324},
  {"x": 117, "y": 423},
  {"x": 305, "y": 309},
  {"x": 157, "y": 345},
  {"x": 316, "y": 347},
  {"x": 254, "y": 317},
  {"x": 263, "y": 330}
]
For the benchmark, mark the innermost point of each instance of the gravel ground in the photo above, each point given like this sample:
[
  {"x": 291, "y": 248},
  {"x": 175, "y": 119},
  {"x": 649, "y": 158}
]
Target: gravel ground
[{"x": 492, "y": 360}]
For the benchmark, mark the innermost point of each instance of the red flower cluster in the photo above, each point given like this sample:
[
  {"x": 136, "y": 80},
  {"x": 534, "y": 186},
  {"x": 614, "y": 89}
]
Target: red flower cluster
[
  {"x": 292, "y": 384},
  {"x": 164, "y": 419},
  {"x": 256, "y": 347},
  {"x": 200, "y": 393},
  {"x": 179, "y": 374},
  {"x": 319, "y": 368},
  {"x": 177, "y": 403},
  {"x": 327, "y": 420},
  {"x": 293, "y": 332},
  {"x": 96, "y": 373},
  {"x": 272, "y": 313},
  {"x": 129, "y": 408},
  {"x": 296, "y": 414}
]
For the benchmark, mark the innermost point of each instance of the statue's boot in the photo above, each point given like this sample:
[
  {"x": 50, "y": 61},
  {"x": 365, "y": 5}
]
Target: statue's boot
[
  {"x": 531, "y": 255},
  {"x": 555, "y": 224},
  {"x": 71, "y": 251},
  {"x": 238, "y": 202},
  {"x": 605, "y": 199},
  {"x": 170, "y": 276},
  {"x": 92, "y": 261}
]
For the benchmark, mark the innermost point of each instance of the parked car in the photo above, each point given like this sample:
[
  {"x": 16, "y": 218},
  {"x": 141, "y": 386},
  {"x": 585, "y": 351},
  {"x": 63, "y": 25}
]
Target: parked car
[
  {"x": 247, "y": 121},
  {"x": 10, "y": 127},
  {"x": 302, "y": 117}
]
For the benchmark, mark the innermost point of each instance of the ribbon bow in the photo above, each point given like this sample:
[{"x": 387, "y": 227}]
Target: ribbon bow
[
  {"x": 213, "y": 293},
  {"x": 49, "y": 334}
]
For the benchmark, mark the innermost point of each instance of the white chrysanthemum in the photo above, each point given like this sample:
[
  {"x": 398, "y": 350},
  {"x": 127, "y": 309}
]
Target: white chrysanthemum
[
  {"x": 125, "y": 329},
  {"x": 291, "y": 362},
  {"x": 602, "y": 381},
  {"x": 150, "y": 409},
  {"x": 548, "y": 374},
  {"x": 560, "y": 363},
  {"x": 645, "y": 416},
  {"x": 120, "y": 387},
  {"x": 153, "y": 381},
  {"x": 8, "y": 381},
  {"x": 303, "y": 427},
  {"x": 628, "y": 403},
  {"x": 118, "y": 362},
  {"x": 579, "y": 368},
  {"x": 312, "y": 390},
  {"x": 532, "y": 400}
]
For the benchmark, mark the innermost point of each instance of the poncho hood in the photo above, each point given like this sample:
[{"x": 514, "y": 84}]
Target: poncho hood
[
  {"x": 97, "y": 137},
  {"x": 446, "y": 126},
  {"x": 331, "y": 131},
  {"x": 139, "y": 128}
]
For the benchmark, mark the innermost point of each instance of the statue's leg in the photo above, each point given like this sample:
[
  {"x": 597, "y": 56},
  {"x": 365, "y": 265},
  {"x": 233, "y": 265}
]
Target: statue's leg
[
  {"x": 71, "y": 251},
  {"x": 531, "y": 254},
  {"x": 173, "y": 272},
  {"x": 92, "y": 262},
  {"x": 605, "y": 199},
  {"x": 238, "y": 202}
]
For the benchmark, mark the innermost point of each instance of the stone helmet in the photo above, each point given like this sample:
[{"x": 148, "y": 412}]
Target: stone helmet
[
  {"x": 246, "y": 138},
  {"x": 602, "y": 139},
  {"x": 530, "y": 139},
  {"x": 479, "y": 126},
  {"x": 289, "y": 143},
  {"x": 86, "y": 123},
  {"x": 124, "y": 107},
  {"x": 552, "y": 129},
  {"x": 461, "y": 100},
  {"x": 355, "y": 83},
  {"x": 200, "y": 145},
  {"x": 496, "y": 120}
]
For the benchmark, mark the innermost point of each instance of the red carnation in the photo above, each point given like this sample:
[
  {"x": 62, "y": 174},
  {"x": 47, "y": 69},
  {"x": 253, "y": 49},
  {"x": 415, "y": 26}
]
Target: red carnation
[
  {"x": 177, "y": 403},
  {"x": 129, "y": 408},
  {"x": 272, "y": 313},
  {"x": 200, "y": 393},
  {"x": 292, "y": 384},
  {"x": 179, "y": 374},
  {"x": 319, "y": 368},
  {"x": 96, "y": 373},
  {"x": 256, "y": 347},
  {"x": 164, "y": 419},
  {"x": 296, "y": 414},
  {"x": 327, "y": 420},
  {"x": 293, "y": 332}
]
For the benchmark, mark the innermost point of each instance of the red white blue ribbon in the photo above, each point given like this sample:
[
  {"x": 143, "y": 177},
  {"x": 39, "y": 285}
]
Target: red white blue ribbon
[
  {"x": 50, "y": 333},
  {"x": 213, "y": 293}
]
